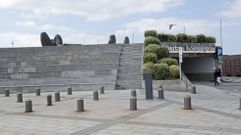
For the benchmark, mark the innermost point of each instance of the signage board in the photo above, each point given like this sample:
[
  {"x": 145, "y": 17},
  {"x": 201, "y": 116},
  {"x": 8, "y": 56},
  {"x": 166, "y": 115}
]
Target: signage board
[{"x": 190, "y": 47}]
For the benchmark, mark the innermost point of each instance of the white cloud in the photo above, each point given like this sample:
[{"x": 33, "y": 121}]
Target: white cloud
[
  {"x": 162, "y": 25},
  {"x": 234, "y": 10},
  {"x": 19, "y": 40},
  {"x": 10, "y": 3},
  {"x": 91, "y": 9},
  {"x": 26, "y": 23}
]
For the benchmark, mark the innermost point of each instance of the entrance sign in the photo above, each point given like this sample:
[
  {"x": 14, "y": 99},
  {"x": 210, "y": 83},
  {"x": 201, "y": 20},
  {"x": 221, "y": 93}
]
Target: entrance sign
[{"x": 190, "y": 47}]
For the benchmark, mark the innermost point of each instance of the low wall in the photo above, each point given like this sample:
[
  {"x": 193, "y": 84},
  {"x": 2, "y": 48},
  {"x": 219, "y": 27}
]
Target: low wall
[{"x": 170, "y": 85}]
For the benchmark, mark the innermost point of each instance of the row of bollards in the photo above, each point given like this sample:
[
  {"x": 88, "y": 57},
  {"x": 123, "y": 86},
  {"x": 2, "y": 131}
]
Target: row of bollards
[{"x": 80, "y": 102}]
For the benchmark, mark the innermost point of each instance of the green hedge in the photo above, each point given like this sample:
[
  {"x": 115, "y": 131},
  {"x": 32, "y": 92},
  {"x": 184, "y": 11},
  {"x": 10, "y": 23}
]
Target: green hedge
[
  {"x": 172, "y": 38},
  {"x": 174, "y": 71},
  {"x": 169, "y": 61},
  {"x": 191, "y": 39},
  {"x": 167, "y": 37},
  {"x": 201, "y": 38},
  {"x": 151, "y": 33},
  {"x": 163, "y": 37},
  {"x": 147, "y": 68},
  {"x": 210, "y": 39},
  {"x": 182, "y": 38},
  {"x": 161, "y": 71},
  {"x": 150, "y": 57},
  {"x": 151, "y": 40}
]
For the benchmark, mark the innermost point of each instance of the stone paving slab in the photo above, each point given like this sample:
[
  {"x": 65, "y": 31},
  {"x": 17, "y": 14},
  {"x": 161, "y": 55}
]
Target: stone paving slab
[{"x": 215, "y": 112}]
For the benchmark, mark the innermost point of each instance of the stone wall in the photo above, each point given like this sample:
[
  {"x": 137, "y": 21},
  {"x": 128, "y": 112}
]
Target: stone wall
[{"x": 81, "y": 67}]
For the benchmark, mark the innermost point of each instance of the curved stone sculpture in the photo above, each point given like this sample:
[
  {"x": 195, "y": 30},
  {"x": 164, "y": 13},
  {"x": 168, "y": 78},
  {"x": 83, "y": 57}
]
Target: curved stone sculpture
[
  {"x": 58, "y": 40},
  {"x": 112, "y": 39},
  {"x": 45, "y": 40},
  {"x": 126, "y": 41}
]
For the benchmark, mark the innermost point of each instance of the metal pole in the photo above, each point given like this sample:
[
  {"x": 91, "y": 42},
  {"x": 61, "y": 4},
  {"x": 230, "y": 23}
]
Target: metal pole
[
  {"x": 221, "y": 33},
  {"x": 180, "y": 66},
  {"x": 184, "y": 29},
  {"x": 133, "y": 38}
]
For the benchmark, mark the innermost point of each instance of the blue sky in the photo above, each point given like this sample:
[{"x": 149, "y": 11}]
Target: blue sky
[{"x": 92, "y": 21}]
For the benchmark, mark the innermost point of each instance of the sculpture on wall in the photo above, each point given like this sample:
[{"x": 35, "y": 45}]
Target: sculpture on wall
[
  {"x": 46, "y": 41},
  {"x": 126, "y": 41},
  {"x": 112, "y": 39}
]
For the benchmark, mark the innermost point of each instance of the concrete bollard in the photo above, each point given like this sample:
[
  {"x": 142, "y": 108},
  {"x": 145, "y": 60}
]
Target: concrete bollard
[
  {"x": 160, "y": 94},
  {"x": 57, "y": 96},
  {"x": 28, "y": 106},
  {"x": 80, "y": 105},
  {"x": 49, "y": 100},
  {"x": 7, "y": 93},
  {"x": 102, "y": 90},
  {"x": 95, "y": 96},
  {"x": 19, "y": 97},
  {"x": 187, "y": 103},
  {"x": 38, "y": 92},
  {"x": 133, "y": 103},
  {"x": 240, "y": 103},
  {"x": 69, "y": 91},
  {"x": 133, "y": 93},
  {"x": 193, "y": 90}
]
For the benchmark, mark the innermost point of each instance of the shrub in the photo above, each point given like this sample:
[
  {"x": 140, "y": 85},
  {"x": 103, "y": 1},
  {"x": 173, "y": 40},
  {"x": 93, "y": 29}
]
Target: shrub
[
  {"x": 161, "y": 71},
  {"x": 163, "y": 37},
  {"x": 172, "y": 38},
  {"x": 183, "y": 38},
  {"x": 210, "y": 39},
  {"x": 174, "y": 71},
  {"x": 150, "y": 57},
  {"x": 191, "y": 39},
  {"x": 147, "y": 68},
  {"x": 169, "y": 61},
  {"x": 164, "y": 53},
  {"x": 201, "y": 38},
  {"x": 151, "y": 40},
  {"x": 151, "y": 33},
  {"x": 112, "y": 39},
  {"x": 161, "y": 52}
]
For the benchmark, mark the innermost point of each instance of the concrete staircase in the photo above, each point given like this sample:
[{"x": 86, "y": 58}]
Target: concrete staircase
[{"x": 129, "y": 75}]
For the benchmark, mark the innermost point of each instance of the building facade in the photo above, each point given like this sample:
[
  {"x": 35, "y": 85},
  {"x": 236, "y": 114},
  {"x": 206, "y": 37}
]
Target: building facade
[{"x": 231, "y": 65}]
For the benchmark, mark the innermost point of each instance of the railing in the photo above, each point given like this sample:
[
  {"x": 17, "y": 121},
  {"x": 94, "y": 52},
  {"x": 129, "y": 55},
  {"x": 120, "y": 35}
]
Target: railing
[{"x": 188, "y": 83}]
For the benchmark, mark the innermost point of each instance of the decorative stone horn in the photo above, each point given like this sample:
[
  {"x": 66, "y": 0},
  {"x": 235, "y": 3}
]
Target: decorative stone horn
[
  {"x": 58, "y": 40},
  {"x": 126, "y": 41},
  {"x": 46, "y": 41}
]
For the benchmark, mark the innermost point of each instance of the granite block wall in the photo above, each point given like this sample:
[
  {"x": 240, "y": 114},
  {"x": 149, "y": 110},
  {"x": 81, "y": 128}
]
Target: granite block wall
[{"x": 79, "y": 66}]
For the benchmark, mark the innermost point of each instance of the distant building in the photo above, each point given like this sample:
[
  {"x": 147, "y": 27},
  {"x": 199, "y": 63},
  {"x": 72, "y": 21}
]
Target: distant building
[{"x": 231, "y": 65}]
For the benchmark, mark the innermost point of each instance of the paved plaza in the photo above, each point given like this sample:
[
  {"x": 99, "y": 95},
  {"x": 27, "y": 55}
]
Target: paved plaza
[{"x": 214, "y": 112}]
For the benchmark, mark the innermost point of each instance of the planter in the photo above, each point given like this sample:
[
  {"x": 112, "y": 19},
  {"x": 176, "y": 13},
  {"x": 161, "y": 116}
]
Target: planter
[{"x": 168, "y": 85}]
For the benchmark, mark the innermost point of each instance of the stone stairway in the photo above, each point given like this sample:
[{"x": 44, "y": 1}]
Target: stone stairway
[{"x": 129, "y": 72}]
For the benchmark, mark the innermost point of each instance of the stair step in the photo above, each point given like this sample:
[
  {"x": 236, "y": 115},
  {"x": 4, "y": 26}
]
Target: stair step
[{"x": 130, "y": 64}]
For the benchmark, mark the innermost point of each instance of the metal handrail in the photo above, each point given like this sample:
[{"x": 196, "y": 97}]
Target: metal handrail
[{"x": 188, "y": 83}]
